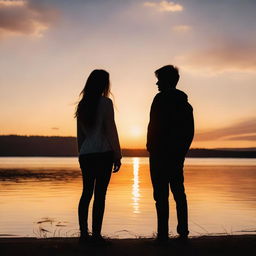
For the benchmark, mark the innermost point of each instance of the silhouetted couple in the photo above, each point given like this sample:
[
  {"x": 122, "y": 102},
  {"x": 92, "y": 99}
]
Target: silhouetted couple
[{"x": 170, "y": 133}]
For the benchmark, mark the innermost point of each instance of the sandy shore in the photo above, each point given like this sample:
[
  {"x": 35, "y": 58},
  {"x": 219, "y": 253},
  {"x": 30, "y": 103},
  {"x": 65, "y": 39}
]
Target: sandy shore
[{"x": 206, "y": 245}]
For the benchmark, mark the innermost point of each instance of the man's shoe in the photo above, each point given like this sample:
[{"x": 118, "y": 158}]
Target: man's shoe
[
  {"x": 182, "y": 239},
  {"x": 161, "y": 240}
]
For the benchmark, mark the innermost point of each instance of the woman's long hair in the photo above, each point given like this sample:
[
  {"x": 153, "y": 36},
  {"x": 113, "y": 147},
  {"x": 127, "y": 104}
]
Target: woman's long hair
[{"x": 97, "y": 85}]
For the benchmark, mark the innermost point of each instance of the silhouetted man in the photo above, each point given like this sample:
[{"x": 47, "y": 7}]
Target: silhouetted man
[{"x": 170, "y": 133}]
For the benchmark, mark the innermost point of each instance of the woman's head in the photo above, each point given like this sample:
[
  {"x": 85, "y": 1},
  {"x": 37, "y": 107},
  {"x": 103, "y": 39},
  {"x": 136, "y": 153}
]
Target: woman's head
[{"x": 97, "y": 85}]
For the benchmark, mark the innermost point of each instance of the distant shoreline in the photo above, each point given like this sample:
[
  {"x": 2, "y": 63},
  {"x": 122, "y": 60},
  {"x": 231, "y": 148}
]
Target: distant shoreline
[
  {"x": 130, "y": 155},
  {"x": 43, "y": 146}
]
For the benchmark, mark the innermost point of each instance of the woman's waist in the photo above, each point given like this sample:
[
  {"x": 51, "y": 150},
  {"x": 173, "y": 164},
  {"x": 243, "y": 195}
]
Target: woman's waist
[{"x": 95, "y": 145}]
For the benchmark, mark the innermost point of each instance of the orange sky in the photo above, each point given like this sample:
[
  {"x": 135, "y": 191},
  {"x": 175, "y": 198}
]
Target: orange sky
[{"x": 48, "y": 48}]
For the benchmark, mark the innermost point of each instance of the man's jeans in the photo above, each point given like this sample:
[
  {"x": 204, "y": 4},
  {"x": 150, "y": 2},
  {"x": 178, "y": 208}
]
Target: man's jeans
[{"x": 167, "y": 171}]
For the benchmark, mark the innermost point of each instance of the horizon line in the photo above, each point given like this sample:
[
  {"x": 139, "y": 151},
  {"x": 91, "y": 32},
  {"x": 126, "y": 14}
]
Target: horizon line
[{"x": 124, "y": 148}]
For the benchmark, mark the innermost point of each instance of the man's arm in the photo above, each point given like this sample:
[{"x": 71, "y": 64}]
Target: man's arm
[
  {"x": 152, "y": 126},
  {"x": 187, "y": 127}
]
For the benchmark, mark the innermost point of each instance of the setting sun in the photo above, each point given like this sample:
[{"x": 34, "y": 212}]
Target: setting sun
[{"x": 135, "y": 131}]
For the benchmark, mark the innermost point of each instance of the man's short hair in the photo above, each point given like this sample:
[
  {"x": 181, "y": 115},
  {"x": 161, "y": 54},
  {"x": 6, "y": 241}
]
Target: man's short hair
[{"x": 168, "y": 73}]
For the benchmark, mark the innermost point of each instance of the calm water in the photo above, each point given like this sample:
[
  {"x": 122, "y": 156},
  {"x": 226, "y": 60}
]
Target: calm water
[{"x": 39, "y": 197}]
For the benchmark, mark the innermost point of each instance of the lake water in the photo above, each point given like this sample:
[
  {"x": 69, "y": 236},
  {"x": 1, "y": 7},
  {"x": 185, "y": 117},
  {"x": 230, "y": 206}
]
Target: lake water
[{"x": 39, "y": 197}]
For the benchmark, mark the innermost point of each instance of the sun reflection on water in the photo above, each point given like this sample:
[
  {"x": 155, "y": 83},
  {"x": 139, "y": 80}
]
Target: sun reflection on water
[{"x": 136, "y": 186}]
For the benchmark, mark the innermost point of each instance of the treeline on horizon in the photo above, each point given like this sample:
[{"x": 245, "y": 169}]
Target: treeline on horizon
[{"x": 16, "y": 145}]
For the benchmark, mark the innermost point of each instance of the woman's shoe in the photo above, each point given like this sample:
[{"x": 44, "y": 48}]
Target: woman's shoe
[
  {"x": 182, "y": 239},
  {"x": 84, "y": 239},
  {"x": 99, "y": 240}
]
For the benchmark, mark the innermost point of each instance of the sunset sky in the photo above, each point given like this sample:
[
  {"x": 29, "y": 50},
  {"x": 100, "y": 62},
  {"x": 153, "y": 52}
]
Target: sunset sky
[{"x": 49, "y": 47}]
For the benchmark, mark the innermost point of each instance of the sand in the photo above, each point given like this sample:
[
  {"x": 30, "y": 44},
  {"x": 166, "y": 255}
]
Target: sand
[{"x": 205, "y": 245}]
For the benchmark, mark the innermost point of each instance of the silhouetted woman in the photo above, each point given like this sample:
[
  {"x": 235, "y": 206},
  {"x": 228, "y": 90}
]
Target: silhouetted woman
[{"x": 99, "y": 150}]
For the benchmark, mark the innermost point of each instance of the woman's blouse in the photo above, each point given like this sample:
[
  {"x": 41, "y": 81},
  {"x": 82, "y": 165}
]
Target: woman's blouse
[{"x": 103, "y": 136}]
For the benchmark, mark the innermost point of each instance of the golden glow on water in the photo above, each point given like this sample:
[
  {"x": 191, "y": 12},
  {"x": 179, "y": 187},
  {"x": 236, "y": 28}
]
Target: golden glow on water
[
  {"x": 221, "y": 197},
  {"x": 136, "y": 186}
]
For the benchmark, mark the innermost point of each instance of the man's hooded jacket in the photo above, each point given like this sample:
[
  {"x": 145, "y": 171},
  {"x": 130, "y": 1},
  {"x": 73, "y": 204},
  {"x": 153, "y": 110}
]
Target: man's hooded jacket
[{"x": 171, "y": 126}]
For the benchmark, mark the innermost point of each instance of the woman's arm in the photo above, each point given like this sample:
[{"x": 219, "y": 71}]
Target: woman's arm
[
  {"x": 111, "y": 131},
  {"x": 80, "y": 135}
]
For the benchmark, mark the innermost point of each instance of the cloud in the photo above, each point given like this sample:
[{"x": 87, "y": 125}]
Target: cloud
[
  {"x": 29, "y": 17},
  {"x": 165, "y": 6},
  {"x": 226, "y": 56},
  {"x": 244, "y": 137},
  {"x": 11, "y": 3},
  {"x": 243, "y": 130},
  {"x": 181, "y": 28}
]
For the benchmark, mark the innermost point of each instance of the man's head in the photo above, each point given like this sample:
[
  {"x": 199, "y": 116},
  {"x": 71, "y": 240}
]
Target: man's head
[{"x": 168, "y": 77}]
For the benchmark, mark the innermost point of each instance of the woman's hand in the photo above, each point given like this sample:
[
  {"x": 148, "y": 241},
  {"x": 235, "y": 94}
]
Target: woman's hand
[{"x": 117, "y": 165}]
